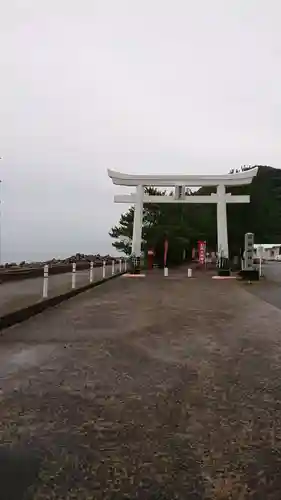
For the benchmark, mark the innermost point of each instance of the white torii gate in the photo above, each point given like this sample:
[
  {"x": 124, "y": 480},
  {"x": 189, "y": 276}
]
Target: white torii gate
[{"x": 221, "y": 198}]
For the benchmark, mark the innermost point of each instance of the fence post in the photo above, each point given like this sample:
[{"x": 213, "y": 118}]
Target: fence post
[
  {"x": 91, "y": 272},
  {"x": 103, "y": 269},
  {"x": 45, "y": 281},
  {"x": 125, "y": 265},
  {"x": 113, "y": 267},
  {"x": 73, "y": 281},
  {"x": 120, "y": 265}
]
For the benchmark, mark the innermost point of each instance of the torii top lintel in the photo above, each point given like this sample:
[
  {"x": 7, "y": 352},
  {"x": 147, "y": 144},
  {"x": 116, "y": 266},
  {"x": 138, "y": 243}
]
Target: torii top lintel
[{"x": 239, "y": 179}]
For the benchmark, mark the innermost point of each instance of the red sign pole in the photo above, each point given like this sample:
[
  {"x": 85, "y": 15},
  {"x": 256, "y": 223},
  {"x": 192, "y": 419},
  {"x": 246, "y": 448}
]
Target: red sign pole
[
  {"x": 166, "y": 247},
  {"x": 202, "y": 252},
  {"x": 150, "y": 255}
]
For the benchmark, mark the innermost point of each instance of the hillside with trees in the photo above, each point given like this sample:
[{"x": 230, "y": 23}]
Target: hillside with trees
[{"x": 185, "y": 224}]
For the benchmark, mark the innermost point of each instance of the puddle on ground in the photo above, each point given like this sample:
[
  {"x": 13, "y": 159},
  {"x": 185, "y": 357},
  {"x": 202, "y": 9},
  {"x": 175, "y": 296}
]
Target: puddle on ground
[
  {"x": 24, "y": 358},
  {"x": 19, "y": 469}
]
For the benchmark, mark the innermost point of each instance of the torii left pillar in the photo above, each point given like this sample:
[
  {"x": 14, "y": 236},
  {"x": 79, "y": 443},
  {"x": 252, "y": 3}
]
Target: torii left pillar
[
  {"x": 222, "y": 242},
  {"x": 137, "y": 227}
]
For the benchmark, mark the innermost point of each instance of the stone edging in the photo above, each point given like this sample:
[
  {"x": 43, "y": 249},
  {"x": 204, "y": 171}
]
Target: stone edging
[{"x": 27, "y": 312}]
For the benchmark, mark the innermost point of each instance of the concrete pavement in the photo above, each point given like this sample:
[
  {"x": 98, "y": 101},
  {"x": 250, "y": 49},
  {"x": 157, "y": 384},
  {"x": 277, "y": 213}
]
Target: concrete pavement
[
  {"x": 144, "y": 388},
  {"x": 272, "y": 271},
  {"x": 269, "y": 288}
]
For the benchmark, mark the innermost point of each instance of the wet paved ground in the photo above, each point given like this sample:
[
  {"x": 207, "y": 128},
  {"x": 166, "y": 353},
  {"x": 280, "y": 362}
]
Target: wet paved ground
[
  {"x": 269, "y": 288},
  {"x": 272, "y": 271},
  {"x": 17, "y": 294},
  {"x": 144, "y": 388}
]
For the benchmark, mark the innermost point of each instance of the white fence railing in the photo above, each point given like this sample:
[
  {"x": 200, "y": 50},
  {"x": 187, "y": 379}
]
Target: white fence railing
[
  {"x": 19, "y": 293},
  {"x": 79, "y": 278}
]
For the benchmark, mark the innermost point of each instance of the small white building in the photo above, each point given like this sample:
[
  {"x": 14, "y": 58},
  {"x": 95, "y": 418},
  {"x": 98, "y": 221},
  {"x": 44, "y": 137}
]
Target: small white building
[{"x": 268, "y": 251}]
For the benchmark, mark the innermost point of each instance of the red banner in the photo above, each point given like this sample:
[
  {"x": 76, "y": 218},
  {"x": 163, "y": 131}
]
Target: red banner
[
  {"x": 166, "y": 247},
  {"x": 202, "y": 251}
]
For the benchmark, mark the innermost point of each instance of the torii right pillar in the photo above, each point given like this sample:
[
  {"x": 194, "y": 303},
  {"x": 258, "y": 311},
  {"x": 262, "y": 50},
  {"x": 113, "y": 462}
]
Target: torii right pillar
[{"x": 222, "y": 242}]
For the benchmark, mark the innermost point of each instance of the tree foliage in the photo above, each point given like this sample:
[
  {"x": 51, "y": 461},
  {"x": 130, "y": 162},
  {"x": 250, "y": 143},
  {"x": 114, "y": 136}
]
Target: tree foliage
[{"x": 185, "y": 224}]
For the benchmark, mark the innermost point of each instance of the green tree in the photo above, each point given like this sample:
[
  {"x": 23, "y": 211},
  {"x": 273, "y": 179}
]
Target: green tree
[
  {"x": 122, "y": 233},
  {"x": 159, "y": 221}
]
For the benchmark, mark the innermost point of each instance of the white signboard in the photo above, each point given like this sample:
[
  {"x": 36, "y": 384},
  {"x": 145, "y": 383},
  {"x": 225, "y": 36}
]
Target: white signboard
[{"x": 260, "y": 252}]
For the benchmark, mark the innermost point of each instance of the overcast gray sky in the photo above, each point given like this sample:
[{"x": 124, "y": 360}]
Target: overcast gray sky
[{"x": 133, "y": 85}]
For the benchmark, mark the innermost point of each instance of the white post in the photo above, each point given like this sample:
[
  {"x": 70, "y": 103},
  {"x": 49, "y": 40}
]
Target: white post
[
  {"x": 73, "y": 281},
  {"x": 166, "y": 272},
  {"x": 45, "y": 281},
  {"x": 222, "y": 222},
  {"x": 112, "y": 267},
  {"x": 103, "y": 269},
  {"x": 137, "y": 228},
  {"x": 91, "y": 272},
  {"x": 189, "y": 273},
  {"x": 260, "y": 253},
  {"x": 120, "y": 265}
]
